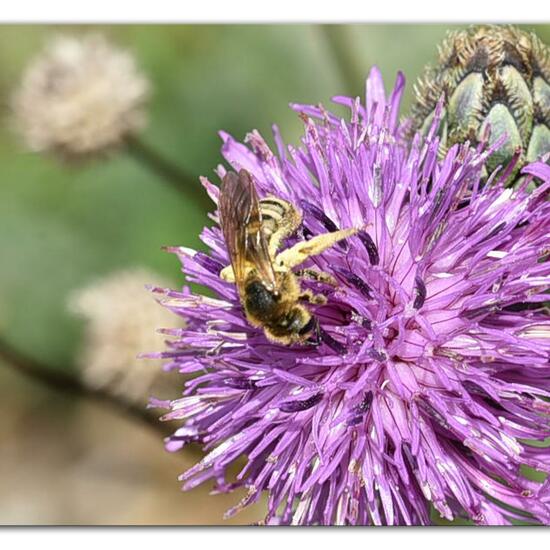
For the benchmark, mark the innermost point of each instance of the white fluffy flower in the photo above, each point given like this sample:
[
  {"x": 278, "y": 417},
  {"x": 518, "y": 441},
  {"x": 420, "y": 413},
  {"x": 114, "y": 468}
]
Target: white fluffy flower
[
  {"x": 80, "y": 97},
  {"x": 122, "y": 321}
]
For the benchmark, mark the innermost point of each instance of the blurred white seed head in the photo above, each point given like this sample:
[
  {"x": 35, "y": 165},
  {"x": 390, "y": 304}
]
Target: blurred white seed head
[
  {"x": 122, "y": 321},
  {"x": 80, "y": 97}
]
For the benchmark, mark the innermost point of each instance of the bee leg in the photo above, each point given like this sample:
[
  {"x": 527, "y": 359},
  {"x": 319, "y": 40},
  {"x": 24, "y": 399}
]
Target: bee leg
[
  {"x": 301, "y": 251},
  {"x": 314, "y": 275},
  {"x": 280, "y": 219},
  {"x": 275, "y": 242},
  {"x": 288, "y": 226},
  {"x": 315, "y": 299},
  {"x": 227, "y": 274}
]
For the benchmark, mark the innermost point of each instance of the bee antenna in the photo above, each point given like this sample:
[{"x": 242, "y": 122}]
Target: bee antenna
[{"x": 316, "y": 338}]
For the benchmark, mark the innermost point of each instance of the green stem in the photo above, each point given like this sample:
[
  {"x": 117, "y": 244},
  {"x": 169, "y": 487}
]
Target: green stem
[
  {"x": 183, "y": 182},
  {"x": 59, "y": 380},
  {"x": 337, "y": 39}
]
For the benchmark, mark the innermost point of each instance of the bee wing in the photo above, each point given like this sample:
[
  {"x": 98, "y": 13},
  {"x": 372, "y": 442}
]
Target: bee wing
[{"x": 241, "y": 223}]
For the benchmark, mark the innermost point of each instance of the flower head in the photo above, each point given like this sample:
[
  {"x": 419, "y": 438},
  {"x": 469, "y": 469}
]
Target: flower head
[
  {"x": 432, "y": 369},
  {"x": 121, "y": 322},
  {"x": 80, "y": 97},
  {"x": 493, "y": 75}
]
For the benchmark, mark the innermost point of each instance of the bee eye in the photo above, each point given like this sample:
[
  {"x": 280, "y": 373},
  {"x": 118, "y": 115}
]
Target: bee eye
[{"x": 308, "y": 327}]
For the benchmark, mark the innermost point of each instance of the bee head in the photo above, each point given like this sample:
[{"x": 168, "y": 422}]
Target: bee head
[
  {"x": 309, "y": 327},
  {"x": 296, "y": 323}
]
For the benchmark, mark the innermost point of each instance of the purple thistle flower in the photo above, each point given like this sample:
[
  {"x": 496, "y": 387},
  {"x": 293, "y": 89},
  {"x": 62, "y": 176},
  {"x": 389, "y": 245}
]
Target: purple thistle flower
[{"x": 431, "y": 379}]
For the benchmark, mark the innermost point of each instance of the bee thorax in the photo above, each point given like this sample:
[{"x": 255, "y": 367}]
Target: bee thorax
[{"x": 260, "y": 301}]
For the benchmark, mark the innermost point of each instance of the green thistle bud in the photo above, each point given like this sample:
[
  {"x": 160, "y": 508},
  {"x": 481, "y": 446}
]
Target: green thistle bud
[{"x": 489, "y": 75}]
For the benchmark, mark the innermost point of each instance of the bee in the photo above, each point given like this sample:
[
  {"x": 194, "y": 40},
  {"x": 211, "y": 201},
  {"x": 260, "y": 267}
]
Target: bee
[{"x": 269, "y": 289}]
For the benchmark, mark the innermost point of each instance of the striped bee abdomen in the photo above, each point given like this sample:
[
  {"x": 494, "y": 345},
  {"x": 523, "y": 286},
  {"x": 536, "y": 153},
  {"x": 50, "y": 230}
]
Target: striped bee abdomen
[{"x": 279, "y": 217}]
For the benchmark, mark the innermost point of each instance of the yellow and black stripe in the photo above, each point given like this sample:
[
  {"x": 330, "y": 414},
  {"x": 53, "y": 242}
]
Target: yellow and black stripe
[{"x": 279, "y": 220}]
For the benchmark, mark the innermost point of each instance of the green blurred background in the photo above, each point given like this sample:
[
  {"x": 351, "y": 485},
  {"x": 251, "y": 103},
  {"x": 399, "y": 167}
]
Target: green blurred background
[{"x": 67, "y": 461}]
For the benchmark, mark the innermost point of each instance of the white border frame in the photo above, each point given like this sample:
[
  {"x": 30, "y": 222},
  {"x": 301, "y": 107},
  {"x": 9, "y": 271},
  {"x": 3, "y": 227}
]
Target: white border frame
[
  {"x": 277, "y": 11},
  {"x": 270, "y": 11}
]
